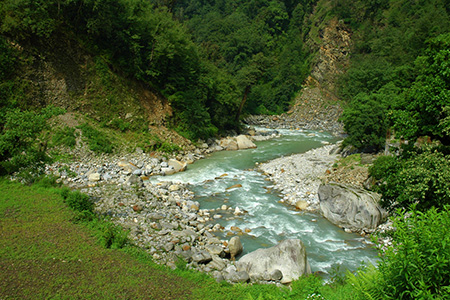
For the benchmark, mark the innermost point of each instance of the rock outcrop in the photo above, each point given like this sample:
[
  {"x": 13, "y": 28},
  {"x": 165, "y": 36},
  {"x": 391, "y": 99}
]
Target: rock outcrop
[
  {"x": 350, "y": 207},
  {"x": 286, "y": 262}
]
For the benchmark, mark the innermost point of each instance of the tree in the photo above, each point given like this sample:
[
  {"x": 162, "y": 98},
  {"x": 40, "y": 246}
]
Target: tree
[
  {"x": 421, "y": 111},
  {"x": 365, "y": 122}
]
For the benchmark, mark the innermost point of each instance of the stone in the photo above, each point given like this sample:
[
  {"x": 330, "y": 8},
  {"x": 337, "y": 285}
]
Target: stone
[
  {"x": 126, "y": 166},
  {"x": 289, "y": 257},
  {"x": 137, "y": 172},
  {"x": 215, "y": 250},
  {"x": 174, "y": 188},
  {"x": 217, "y": 263},
  {"x": 167, "y": 171},
  {"x": 137, "y": 208},
  {"x": 350, "y": 207},
  {"x": 235, "y": 247},
  {"x": 301, "y": 205},
  {"x": 244, "y": 142},
  {"x": 178, "y": 166},
  {"x": 94, "y": 177},
  {"x": 134, "y": 180},
  {"x": 229, "y": 144},
  {"x": 234, "y": 186},
  {"x": 201, "y": 257},
  {"x": 276, "y": 275},
  {"x": 237, "y": 276}
]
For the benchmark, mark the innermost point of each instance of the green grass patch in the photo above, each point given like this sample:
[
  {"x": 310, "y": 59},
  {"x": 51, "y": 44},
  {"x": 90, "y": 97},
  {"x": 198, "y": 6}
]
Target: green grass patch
[
  {"x": 97, "y": 140},
  {"x": 65, "y": 136}
]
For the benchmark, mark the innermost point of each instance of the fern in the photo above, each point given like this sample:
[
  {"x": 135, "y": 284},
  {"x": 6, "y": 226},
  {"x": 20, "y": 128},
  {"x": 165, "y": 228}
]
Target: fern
[{"x": 366, "y": 283}]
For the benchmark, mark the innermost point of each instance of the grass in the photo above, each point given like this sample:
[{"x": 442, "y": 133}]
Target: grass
[{"x": 44, "y": 254}]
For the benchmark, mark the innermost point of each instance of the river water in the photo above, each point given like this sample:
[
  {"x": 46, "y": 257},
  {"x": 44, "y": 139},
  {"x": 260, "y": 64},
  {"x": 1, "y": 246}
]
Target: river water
[{"x": 267, "y": 220}]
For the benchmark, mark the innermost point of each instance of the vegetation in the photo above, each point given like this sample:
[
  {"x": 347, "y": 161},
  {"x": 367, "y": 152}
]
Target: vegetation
[
  {"x": 417, "y": 265},
  {"x": 398, "y": 70}
]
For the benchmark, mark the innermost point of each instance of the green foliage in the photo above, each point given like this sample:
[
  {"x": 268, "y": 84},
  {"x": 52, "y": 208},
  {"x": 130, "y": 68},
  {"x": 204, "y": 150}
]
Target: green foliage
[
  {"x": 65, "y": 136},
  {"x": 414, "y": 179},
  {"x": 422, "y": 110},
  {"x": 366, "y": 283},
  {"x": 417, "y": 265},
  {"x": 119, "y": 124},
  {"x": 97, "y": 140},
  {"x": 111, "y": 236},
  {"x": 20, "y": 143},
  {"x": 400, "y": 61},
  {"x": 366, "y": 124},
  {"x": 77, "y": 201}
]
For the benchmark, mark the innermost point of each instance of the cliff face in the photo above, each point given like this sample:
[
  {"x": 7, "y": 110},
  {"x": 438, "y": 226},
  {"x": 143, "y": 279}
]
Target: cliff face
[{"x": 317, "y": 104}]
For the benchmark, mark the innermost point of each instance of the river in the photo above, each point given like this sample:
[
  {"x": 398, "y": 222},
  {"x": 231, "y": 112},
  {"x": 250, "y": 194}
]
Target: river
[{"x": 267, "y": 220}]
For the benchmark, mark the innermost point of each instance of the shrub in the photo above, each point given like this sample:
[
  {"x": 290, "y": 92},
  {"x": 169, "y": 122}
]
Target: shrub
[
  {"x": 98, "y": 141},
  {"x": 112, "y": 236},
  {"x": 78, "y": 201},
  {"x": 422, "y": 180},
  {"x": 65, "y": 136},
  {"x": 417, "y": 265}
]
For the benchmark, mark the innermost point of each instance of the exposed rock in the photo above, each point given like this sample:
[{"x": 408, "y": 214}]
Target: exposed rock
[
  {"x": 235, "y": 246},
  {"x": 350, "y": 207},
  {"x": 244, "y": 142},
  {"x": 94, "y": 177},
  {"x": 229, "y": 144},
  {"x": 178, "y": 166},
  {"x": 288, "y": 257}
]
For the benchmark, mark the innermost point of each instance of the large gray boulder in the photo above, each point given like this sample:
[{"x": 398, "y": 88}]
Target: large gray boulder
[
  {"x": 287, "y": 261},
  {"x": 350, "y": 207}
]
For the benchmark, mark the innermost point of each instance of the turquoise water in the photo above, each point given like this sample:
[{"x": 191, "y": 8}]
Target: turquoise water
[{"x": 267, "y": 220}]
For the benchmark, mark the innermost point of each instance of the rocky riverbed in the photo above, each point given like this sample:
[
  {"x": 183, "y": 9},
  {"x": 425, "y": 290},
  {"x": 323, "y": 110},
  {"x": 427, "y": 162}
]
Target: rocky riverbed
[{"x": 298, "y": 176}]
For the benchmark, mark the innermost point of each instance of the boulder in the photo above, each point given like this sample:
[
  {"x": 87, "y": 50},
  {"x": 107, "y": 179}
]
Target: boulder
[
  {"x": 126, "y": 166},
  {"x": 229, "y": 144},
  {"x": 288, "y": 258},
  {"x": 244, "y": 142},
  {"x": 235, "y": 247},
  {"x": 178, "y": 166},
  {"x": 350, "y": 207},
  {"x": 94, "y": 177}
]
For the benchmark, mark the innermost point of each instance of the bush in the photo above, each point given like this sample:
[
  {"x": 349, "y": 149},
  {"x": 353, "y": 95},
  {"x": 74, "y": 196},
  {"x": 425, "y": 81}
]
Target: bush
[
  {"x": 422, "y": 180},
  {"x": 78, "y": 201},
  {"x": 65, "y": 136},
  {"x": 417, "y": 265},
  {"x": 112, "y": 236},
  {"x": 98, "y": 141}
]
